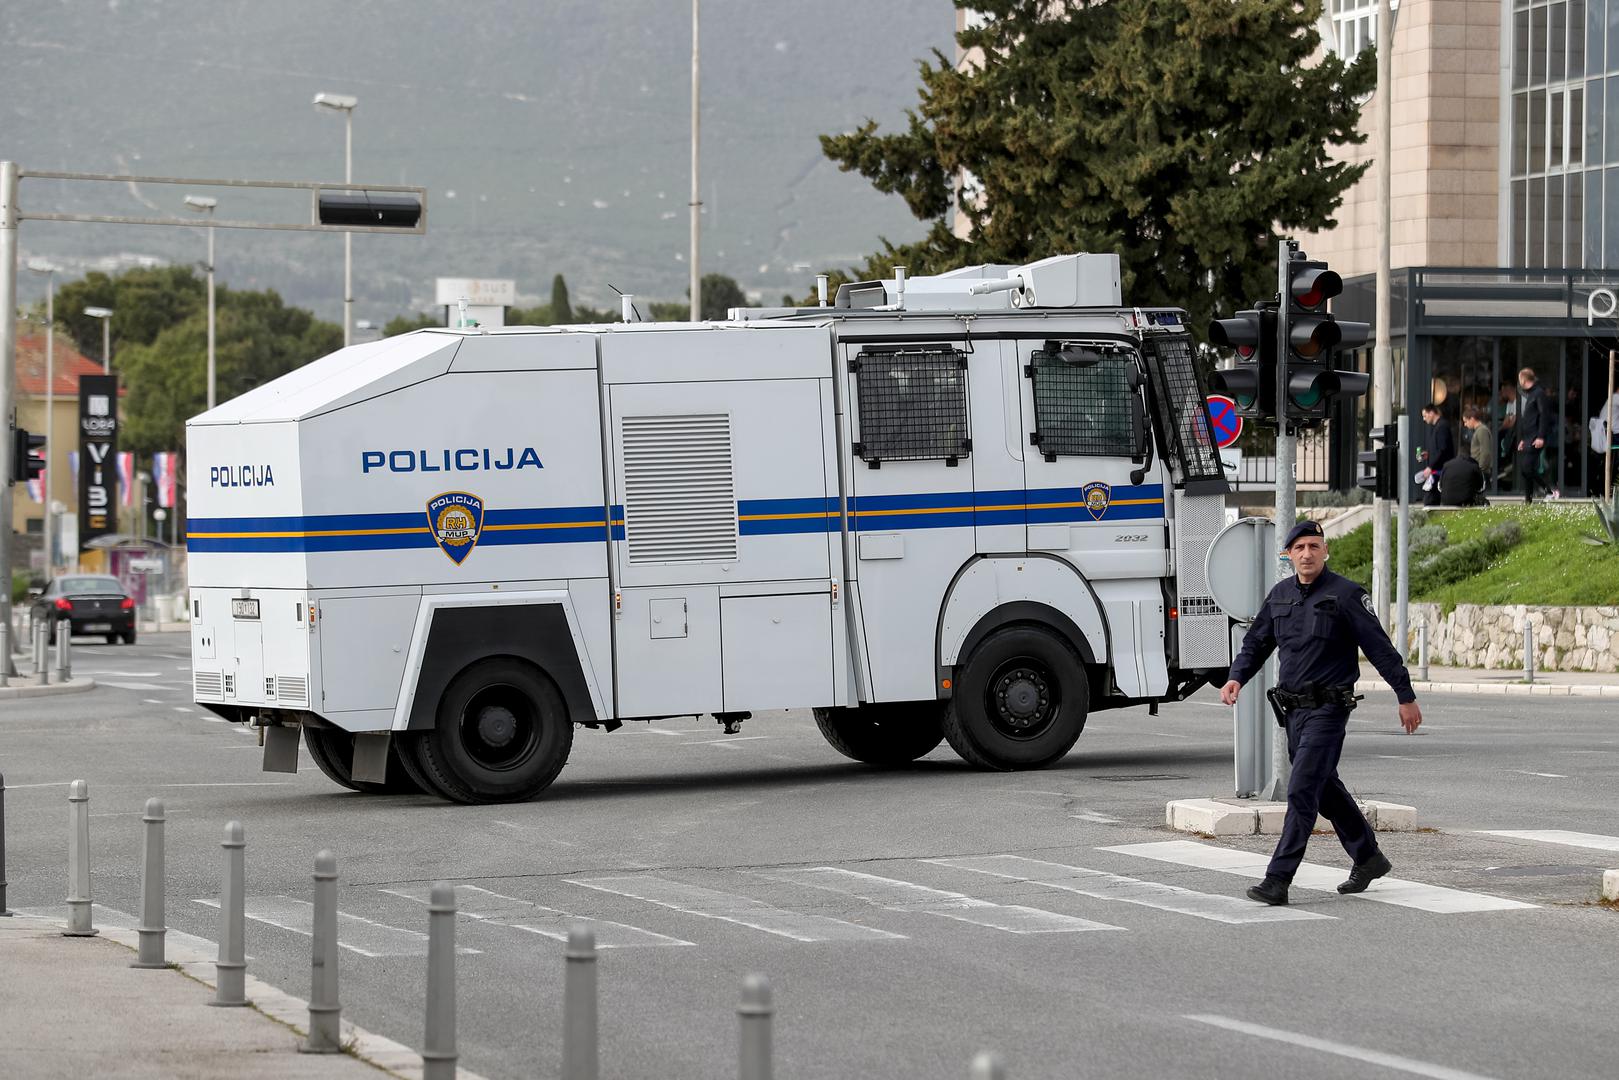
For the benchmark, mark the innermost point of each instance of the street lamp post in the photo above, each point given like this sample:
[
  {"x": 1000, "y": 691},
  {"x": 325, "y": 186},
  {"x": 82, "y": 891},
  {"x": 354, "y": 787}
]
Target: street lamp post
[
  {"x": 344, "y": 103},
  {"x": 205, "y": 204},
  {"x": 105, "y": 315},
  {"x": 40, "y": 267}
]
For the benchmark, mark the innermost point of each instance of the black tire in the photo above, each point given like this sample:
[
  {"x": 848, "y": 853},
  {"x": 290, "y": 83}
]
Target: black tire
[
  {"x": 112, "y": 639},
  {"x": 129, "y": 637},
  {"x": 1020, "y": 701},
  {"x": 333, "y": 751},
  {"x": 502, "y": 734},
  {"x": 893, "y": 733}
]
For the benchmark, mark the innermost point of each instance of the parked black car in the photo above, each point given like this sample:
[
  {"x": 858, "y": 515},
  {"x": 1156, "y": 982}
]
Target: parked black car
[{"x": 89, "y": 604}]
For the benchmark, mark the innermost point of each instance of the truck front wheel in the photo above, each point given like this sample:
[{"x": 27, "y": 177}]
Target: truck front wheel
[
  {"x": 892, "y": 733},
  {"x": 1020, "y": 700},
  {"x": 502, "y": 734}
]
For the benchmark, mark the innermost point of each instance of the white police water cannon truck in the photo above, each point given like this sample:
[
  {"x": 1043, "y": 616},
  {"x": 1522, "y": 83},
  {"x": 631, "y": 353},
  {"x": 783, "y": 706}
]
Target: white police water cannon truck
[{"x": 971, "y": 507}]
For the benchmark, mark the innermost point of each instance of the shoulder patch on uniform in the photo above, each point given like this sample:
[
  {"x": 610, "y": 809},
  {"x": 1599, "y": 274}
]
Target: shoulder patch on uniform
[{"x": 1366, "y": 602}]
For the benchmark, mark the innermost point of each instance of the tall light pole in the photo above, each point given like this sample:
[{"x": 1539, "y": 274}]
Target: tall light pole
[
  {"x": 41, "y": 267},
  {"x": 696, "y": 199},
  {"x": 1382, "y": 356},
  {"x": 205, "y": 204},
  {"x": 105, "y": 315},
  {"x": 344, "y": 104}
]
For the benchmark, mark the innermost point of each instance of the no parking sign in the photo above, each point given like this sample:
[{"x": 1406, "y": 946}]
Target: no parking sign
[{"x": 1224, "y": 421}]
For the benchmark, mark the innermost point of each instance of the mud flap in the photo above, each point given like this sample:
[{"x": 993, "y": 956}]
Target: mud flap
[
  {"x": 281, "y": 749},
  {"x": 370, "y": 765}
]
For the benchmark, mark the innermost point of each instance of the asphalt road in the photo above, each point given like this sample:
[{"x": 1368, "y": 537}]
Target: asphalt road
[{"x": 899, "y": 937}]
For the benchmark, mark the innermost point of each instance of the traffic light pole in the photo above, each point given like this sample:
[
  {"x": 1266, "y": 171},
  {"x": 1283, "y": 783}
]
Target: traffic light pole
[
  {"x": 8, "y": 362},
  {"x": 1286, "y": 497},
  {"x": 1382, "y": 356}
]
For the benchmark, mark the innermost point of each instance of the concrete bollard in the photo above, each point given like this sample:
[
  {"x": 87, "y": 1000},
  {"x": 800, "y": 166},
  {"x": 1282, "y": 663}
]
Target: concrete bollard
[
  {"x": 151, "y": 929},
  {"x": 1422, "y": 651},
  {"x": 325, "y": 1012},
  {"x": 78, "y": 861},
  {"x": 5, "y": 654},
  {"x": 755, "y": 1012},
  {"x": 1528, "y": 652},
  {"x": 42, "y": 670},
  {"x": 230, "y": 970},
  {"x": 438, "y": 1048},
  {"x": 64, "y": 645},
  {"x": 4, "y": 912},
  {"x": 580, "y": 1059},
  {"x": 988, "y": 1066}
]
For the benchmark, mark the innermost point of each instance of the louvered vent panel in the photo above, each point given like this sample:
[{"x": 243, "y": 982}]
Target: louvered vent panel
[
  {"x": 209, "y": 684},
  {"x": 679, "y": 489},
  {"x": 292, "y": 689},
  {"x": 1204, "y": 629}
]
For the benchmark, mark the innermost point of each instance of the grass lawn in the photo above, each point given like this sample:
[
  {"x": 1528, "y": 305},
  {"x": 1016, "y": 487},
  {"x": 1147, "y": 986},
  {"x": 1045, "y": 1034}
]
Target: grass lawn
[{"x": 1552, "y": 565}]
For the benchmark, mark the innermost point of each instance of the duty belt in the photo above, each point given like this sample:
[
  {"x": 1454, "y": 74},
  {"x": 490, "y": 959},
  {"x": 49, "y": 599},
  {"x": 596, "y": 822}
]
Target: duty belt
[{"x": 1283, "y": 701}]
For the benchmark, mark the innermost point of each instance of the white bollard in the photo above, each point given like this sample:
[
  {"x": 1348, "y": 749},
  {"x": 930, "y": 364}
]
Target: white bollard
[
  {"x": 755, "y": 1012},
  {"x": 151, "y": 929},
  {"x": 5, "y": 654},
  {"x": 1422, "y": 651},
  {"x": 42, "y": 667},
  {"x": 988, "y": 1066},
  {"x": 1528, "y": 652},
  {"x": 325, "y": 1012},
  {"x": 64, "y": 664},
  {"x": 78, "y": 861},
  {"x": 230, "y": 970},
  {"x": 580, "y": 1059},
  {"x": 438, "y": 1047}
]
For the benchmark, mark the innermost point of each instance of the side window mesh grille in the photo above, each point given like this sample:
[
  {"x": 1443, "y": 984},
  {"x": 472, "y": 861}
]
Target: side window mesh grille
[
  {"x": 913, "y": 405},
  {"x": 1082, "y": 409}
]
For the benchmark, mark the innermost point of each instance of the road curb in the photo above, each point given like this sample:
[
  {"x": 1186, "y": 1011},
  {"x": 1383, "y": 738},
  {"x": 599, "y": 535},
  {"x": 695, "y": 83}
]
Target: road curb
[
  {"x": 1252, "y": 817},
  {"x": 72, "y": 686},
  {"x": 391, "y": 1057},
  {"x": 1538, "y": 689},
  {"x": 1610, "y": 885}
]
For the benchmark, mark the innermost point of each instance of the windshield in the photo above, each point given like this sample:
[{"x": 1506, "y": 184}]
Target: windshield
[{"x": 88, "y": 584}]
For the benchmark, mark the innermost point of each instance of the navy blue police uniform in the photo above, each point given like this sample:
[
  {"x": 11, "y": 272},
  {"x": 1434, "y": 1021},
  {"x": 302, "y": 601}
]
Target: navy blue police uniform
[{"x": 1317, "y": 629}]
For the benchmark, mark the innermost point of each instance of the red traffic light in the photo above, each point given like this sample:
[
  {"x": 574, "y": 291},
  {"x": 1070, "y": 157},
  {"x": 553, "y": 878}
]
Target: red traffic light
[
  {"x": 1241, "y": 333},
  {"x": 1312, "y": 286}
]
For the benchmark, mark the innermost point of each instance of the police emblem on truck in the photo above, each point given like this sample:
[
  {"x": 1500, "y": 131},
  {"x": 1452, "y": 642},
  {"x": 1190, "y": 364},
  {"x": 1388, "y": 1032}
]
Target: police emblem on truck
[
  {"x": 1097, "y": 498},
  {"x": 455, "y": 519}
]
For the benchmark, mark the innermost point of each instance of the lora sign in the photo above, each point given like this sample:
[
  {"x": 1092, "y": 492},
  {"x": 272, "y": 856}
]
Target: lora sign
[{"x": 1605, "y": 297}]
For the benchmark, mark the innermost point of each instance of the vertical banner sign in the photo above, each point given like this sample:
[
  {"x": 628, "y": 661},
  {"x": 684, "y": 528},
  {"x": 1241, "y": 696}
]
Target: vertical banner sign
[
  {"x": 98, "y": 450},
  {"x": 126, "y": 476},
  {"x": 165, "y": 465}
]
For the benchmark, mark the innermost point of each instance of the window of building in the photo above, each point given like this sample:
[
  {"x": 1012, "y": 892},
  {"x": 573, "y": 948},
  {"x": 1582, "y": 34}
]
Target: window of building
[
  {"x": 1557, "y": 126},
  {"x": 913, "y": 404},
  {"x": 1354, "y": 24},
  {"x": 1083, "y": 401}
]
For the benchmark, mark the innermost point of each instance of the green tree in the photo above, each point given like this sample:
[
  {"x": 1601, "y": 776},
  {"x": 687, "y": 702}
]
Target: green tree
[
  {"x": 404, "y": 324},
  {"x": 534, "y": 316},
  {"x": 144, "y": 301},
  {"x": 1181, "y": 134},
  {"x": 720, "y": 294},
  {"x": 257, "y": 338},
  {"x": 561, "y": 310}
]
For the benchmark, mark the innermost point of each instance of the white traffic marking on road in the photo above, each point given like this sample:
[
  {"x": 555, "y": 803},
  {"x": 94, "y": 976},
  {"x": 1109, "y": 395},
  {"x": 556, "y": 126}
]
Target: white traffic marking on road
[
  {"x": 53, "y": 783},
  {"x": 905, "y": 896},
  {"x": 1128, "y": 890},
  {"x": 1167, "y": 735},
  {"x": 650, "y": 730},
  {"x": 121, "y": 674},
  {"x": 1595, "y": 841},
  {"x": 233, "y": 783},
  {"x": 1327, "y": 1046},
  {"x": 128, "y": 685},
  {"x": 501, "y": 910},
  {"x": 1547, "y": 775},
  {"x": 728, "y": 907},
  {"x": 363, "y": 936},
  {"x": 1411, "y": 894},
  {"x": 726, "y": 741},
  {"x": 150, "y": 701},
  {"x": 1095, "y": 818}
]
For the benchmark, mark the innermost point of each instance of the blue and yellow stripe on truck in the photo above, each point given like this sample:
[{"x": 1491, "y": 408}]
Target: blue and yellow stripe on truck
[{"x": 755, "y": 517}]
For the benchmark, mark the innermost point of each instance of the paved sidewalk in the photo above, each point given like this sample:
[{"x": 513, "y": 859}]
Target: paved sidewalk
[
  {"x": 1454, "y": 680},
  {"x": 74, "y": 1008}
]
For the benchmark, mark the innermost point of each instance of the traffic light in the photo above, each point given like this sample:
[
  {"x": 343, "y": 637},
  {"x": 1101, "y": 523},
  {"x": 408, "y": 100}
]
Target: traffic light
[
  {"x": 27, "y": 456},
  {"x": 1252, "y": 382},
  {"x": 368, "y": 209},
  {"x": 1380, "y": 468},
  {"x": 1313, "y": 338}
]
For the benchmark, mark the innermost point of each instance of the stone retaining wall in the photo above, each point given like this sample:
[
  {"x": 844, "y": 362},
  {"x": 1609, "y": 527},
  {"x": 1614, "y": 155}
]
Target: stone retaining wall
[{"x": 1479, "y": 636}]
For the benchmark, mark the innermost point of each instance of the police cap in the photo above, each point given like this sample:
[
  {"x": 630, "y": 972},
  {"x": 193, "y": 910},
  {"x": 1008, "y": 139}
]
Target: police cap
[{"x": 1302, "y": 529}]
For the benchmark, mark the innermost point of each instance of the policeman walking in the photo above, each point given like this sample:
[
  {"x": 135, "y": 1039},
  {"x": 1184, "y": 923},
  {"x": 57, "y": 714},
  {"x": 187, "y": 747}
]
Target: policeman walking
[{"x": 1318, "y": 620}]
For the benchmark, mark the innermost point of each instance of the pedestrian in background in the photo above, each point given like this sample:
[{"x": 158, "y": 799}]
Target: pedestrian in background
[
  {"x": 1480, "y": 441},
  {"x": 1319, "y": 623},
  {"x": 1536, "y": 422}
]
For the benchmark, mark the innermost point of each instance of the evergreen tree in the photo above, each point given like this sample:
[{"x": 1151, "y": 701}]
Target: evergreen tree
[
  {"x": 1181, "y": 134},
  {"x": 561, "y": 310}
]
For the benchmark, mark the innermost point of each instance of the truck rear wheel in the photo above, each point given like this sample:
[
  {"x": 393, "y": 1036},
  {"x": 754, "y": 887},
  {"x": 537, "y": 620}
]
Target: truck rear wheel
[
  {"x": 502, "y": 734},
  {"x": 894, "y": 733},
  {"x": 333, "y": 751},
  {"x": 1020, "y": 701}
]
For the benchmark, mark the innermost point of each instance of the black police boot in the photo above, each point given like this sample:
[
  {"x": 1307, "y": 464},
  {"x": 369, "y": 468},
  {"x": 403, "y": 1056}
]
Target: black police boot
[
  {"x": 1272, "y": 891},
  {"x": 1365, "y": 873}
]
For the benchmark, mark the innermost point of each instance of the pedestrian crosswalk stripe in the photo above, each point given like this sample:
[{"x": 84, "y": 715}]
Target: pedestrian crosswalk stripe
[
  {"x": 501, "y": 910},
  {"x": 728, "y": 907},
  {"x": 904, "y": 896},
  {"x": 1595, "y": 841},
  {"x": 358, "y": 935},
  {"x": 1327, "y": 1046},
  {"x": 1128, "y": 890},
  {"x": 1411, "y": 894}
]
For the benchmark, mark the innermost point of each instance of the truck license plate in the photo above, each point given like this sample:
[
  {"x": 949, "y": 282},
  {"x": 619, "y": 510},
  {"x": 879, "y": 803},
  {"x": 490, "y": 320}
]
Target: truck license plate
[{"x": 244, "y": 609}]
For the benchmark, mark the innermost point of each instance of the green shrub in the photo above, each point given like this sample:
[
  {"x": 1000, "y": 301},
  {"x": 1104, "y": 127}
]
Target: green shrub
[
  {"x": 19, "y": 586},
  {"x": 1428, "y": 538},
  {"x": 1449, "y": 565}
]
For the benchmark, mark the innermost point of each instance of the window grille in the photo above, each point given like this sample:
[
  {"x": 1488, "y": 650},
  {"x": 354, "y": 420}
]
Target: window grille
[
  {"x": 1082, "y": 401},
  {"x": 1182, "y": 407},
  {"x": 913, "y": 405}
]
